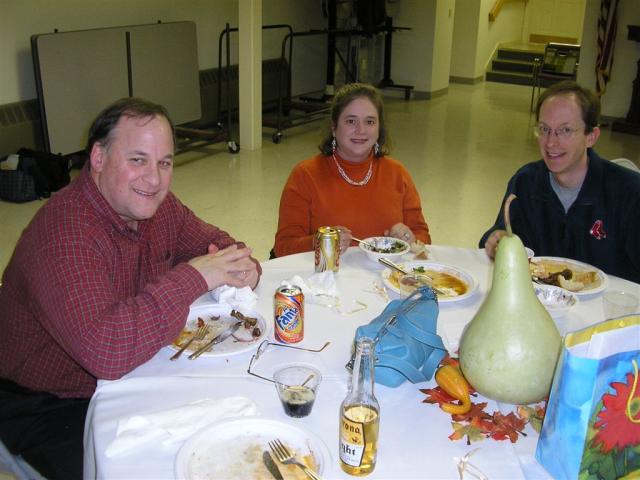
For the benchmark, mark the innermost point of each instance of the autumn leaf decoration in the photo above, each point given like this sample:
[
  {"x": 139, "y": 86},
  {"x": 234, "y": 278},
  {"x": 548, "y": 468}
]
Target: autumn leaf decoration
[
  {"x": 532, "y": 415},
  {"x": 477, "y": 424}
]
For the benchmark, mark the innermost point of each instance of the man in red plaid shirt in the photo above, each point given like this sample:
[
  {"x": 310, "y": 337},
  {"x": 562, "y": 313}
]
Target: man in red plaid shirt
[{"x": 100, "y": 280}]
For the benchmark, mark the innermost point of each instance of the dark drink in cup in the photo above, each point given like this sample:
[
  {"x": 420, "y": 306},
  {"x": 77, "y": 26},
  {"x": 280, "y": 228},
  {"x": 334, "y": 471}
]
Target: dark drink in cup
[
  {"x": 297, "y": 387},
  {"x": 297, "y": 400}
]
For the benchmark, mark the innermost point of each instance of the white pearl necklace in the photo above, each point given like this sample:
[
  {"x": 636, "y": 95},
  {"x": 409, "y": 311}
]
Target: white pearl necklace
[{"x": 344, "y": 175}]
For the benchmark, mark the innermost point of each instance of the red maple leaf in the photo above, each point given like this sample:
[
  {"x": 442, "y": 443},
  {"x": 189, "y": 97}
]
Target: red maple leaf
[
  {"x": 447, "y": 360},
  {"x": 477, "y": 410},
  {"x": 436, "y": 395},
  {"x": 506, "y": 426},
  {"x": 615, "y": 430},
  {"x": 485, "y": 424}
]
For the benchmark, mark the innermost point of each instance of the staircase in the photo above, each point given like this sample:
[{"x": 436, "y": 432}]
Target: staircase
[{"x": 513, "y": 63}]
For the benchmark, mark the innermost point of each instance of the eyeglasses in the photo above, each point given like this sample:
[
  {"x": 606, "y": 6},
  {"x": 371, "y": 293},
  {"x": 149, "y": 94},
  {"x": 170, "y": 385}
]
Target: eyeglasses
[
  {"x": 564, "y": 133},
  {"x": 263, "y": 348}
]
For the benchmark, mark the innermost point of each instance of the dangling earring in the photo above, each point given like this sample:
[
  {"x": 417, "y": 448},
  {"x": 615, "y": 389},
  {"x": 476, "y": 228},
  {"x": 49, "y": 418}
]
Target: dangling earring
[
  {"x": 376, "y": 149},
  {"x": 334, "y": 144}
]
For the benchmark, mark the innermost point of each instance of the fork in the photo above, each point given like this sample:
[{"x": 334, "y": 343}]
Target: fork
[
  {"x": 366, "y": 244},
  {"x": 199, "y": 335},
  {"x": 283, "y": 455}
]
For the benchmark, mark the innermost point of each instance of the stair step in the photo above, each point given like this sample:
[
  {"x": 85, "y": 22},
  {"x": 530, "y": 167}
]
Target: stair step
[
  {"x": 512, "y": 66},
  {"x": 516, "y": 78},
  {"x": 514, "y": 63},
  {"x": 523, "y": 55},
  {"x": 509, "y": 77}
]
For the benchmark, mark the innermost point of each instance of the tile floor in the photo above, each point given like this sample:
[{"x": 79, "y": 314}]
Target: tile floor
[{"x": 461, "y": 149}]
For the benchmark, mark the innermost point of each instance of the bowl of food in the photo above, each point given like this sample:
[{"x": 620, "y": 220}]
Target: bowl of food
[
  {"x": 383, "y": 247},
  {"x": 556, "y": 300}
]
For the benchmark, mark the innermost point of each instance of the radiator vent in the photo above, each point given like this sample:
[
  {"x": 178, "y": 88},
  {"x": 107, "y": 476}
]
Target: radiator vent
[{"x": 19, "y": 112}]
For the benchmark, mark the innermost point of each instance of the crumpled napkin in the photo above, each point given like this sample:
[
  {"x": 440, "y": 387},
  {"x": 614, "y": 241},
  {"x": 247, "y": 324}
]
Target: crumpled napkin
[
  {"x": 243, "y": 299},
  {"x": 319, "y": 288},
  {"x": 176, "y": 424}
]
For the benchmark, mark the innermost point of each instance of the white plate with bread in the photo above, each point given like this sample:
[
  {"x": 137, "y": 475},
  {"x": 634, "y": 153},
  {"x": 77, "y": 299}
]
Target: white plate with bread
[{"x": 578, "y": 277}]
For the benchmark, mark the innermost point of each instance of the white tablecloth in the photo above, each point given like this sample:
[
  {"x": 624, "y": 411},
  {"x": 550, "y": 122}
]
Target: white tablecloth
[{"x": 413, "y": 435}]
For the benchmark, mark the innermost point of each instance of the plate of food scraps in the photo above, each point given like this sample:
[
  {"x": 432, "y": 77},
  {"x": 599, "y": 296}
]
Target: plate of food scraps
[
  {"x": 578, "y": 277},
  {"x": 456, "y": 283},
  {"x": 218, "y": 318},
  {"x": 234, "y": 448}
]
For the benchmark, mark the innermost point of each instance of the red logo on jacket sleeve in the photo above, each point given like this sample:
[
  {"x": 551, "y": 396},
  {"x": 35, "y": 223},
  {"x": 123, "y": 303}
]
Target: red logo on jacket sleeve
[{"x": 597, "y": 230}]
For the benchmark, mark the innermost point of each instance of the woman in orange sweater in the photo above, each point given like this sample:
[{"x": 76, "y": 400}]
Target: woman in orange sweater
[{"x": 352, "y": 184}]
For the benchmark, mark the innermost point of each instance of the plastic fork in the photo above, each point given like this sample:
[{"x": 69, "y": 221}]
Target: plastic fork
[
  {"x": 199, "y": 335},
  {"x": 283, "y": 455},
  {"x": 366, "y": 244}
]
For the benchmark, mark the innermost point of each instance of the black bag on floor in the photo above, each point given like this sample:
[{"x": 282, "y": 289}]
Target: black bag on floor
[
  {"x": 17, "y": 186},
  {"x": 37, "y": 176}
]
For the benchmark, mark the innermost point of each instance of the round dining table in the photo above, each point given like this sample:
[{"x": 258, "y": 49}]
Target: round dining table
[{"x": 414, "y": 435}]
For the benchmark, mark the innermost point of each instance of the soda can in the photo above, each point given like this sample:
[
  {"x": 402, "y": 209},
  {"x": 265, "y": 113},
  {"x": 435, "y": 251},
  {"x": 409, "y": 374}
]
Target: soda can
[
  {"x": 327, "y": 249},
  {"x": 288, "y": 314}
]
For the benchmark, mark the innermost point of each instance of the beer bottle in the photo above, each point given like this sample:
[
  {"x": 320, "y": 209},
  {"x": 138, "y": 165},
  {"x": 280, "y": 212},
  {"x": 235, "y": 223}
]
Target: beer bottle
[{"x": 360, "y": 415}]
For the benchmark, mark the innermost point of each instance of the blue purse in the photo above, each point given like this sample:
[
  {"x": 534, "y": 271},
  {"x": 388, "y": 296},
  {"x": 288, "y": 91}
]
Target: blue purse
[{"x": 407, "y": 345}]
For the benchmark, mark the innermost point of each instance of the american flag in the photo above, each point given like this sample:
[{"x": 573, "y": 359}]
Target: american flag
[{"x": 607, "y": 27}]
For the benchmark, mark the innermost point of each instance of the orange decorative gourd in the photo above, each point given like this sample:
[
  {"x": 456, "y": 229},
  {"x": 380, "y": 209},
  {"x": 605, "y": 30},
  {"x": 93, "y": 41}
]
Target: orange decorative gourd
[{"x": 451, "y": 380}]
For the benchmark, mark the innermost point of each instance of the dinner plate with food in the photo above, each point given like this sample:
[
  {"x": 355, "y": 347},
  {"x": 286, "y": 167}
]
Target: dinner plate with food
[
  {"x": 216, "y": 319},
  {"x": 235, "y": 448},
  {"x": 578, "y": 277},
  {"x": 452, "y": 284}
]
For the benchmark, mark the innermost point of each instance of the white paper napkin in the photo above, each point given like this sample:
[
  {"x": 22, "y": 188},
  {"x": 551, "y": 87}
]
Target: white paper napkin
[
  {"x": 243, "y": 299},
  {"x": 176, "y": 424},
  {"x": 319, "y": 288}
]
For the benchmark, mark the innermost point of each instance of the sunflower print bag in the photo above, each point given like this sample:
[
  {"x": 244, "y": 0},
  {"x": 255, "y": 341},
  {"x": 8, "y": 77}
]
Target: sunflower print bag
[{"x": 592, "y": 426}]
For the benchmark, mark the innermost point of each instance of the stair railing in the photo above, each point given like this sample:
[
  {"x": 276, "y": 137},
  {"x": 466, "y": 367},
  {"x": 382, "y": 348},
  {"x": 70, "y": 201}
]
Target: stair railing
[{"x": 495, "y": 10}]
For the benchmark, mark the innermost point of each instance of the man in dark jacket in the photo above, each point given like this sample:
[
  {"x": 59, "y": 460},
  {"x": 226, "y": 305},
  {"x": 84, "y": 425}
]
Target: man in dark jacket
[{"x": 573, "y": 203}]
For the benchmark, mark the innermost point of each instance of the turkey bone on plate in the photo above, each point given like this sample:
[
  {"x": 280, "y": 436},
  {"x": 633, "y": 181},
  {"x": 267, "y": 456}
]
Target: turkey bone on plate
[{"x": 218, "y": 318}]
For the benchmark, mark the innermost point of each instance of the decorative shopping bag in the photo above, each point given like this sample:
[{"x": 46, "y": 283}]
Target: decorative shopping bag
[
  {"x": 407, "y": 345},
  {"x": 592, "y": 426}
]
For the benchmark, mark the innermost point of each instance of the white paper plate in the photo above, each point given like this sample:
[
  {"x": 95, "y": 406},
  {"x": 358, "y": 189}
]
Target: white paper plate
[
  {"x": 231, "y": 345},
  {"x": 602, "y": 277},
  {"x": 556, "y": 300},
  {"x": 466, "y": 277},
  {"x": 232, "y": 449}
]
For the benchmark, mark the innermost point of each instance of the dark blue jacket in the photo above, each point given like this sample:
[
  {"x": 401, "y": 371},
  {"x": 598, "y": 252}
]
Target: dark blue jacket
[{"x": 610, "y": 193}]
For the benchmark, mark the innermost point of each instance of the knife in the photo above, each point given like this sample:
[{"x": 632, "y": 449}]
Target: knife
[
  {"x": 271, "y": 465},
  {"x": 218, "y": 339}
]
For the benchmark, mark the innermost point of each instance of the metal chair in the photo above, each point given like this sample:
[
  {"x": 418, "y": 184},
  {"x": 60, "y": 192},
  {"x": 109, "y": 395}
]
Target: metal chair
[
  {"x": 560, "y": 62},
  {"x": 625, "y": 162}
]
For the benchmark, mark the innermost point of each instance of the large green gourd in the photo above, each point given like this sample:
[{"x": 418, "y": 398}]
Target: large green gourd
[{"x": 509, "y": 350}]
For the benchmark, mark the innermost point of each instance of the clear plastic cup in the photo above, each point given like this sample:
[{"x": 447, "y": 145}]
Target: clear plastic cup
[
  {"x": 297, "y": 387},
  {"x": 618, "y": 303}
]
